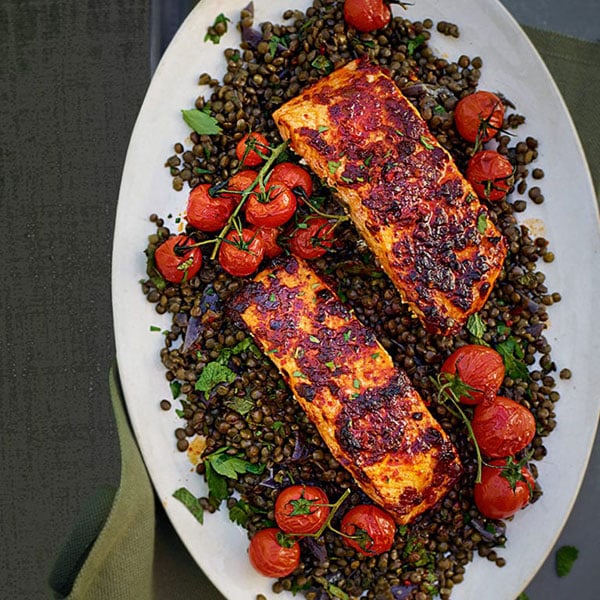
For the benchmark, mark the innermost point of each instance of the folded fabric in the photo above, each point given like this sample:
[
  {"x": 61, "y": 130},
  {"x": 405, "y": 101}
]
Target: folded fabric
[{"x": 122, "y": 546}]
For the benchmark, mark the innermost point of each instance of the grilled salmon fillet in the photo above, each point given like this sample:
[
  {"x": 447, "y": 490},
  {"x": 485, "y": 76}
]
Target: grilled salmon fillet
[
  {"x": 367, "y": 412},
  {"x": 401, "y": 188}
]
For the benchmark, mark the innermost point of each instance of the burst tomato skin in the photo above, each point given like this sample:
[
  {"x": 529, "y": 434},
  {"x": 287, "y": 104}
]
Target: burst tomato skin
[
  {"x": 502, "y": 427},
  {"x": 375, "y": 527},
  {"x": 250, "y": 147},
  {"x": 366, "y": 15},
  {"x": 494, "y": 496},
  {"x": 270, "y": 239},
  {"x": 273, "y": 207},
  {"x": 490, "y": 174},
  {"x": 241, "y": 255},
  {"x": 480, "y": 367},
  {"x": 238, "y": 183},
  {"x": 207, "y": 212},
  {"x": 479, "y": 116},
  {"x": 313, "y": 240},
  {"x": 175, "y": 266},
  {"x": 269, "y": 557},
  {"x": 293, "y": 176},
  {"x": 301, "y": 509}
]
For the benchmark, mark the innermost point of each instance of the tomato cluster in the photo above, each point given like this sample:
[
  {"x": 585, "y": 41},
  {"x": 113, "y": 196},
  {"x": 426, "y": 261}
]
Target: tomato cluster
[
  {"x": 501, "y": 427},
  {"x": 303, "y": 510},
  {"x": 253, "y": 215}
]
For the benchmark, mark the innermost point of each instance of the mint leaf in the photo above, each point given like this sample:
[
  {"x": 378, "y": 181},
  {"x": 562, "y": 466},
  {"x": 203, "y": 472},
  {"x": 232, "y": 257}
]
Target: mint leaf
[
  {"x": 217, "y": 486},
  {"x": 565, "y": 557},
  {"x": 213, "y": 374},
  {"x": 414, "y": 44},
  {"x": 232, "y": 465},
  {"x": 175, "y": 389},
  {"x": 241, "y": 405},
  {"x": 211, "y": 34},
  {"x": 190, "y": 502},
  {"x": 512, "y": 355},
  {"x": 201, "y": 122},
  {"x": 476, "y": 326},
  {"x": 481, "y": 223},
  {"x": 240, "y": 512}
]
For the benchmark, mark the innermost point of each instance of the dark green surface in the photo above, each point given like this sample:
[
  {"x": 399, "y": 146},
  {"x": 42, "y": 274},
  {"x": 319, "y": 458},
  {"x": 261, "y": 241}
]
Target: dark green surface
[{"x": 73, "y": 76}]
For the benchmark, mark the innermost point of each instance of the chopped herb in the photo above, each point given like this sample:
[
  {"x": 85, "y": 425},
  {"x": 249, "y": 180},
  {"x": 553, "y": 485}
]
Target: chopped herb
[
  {"x": 502, "y": 329},
  {"x": 201, "y": 122},
  {"x": 273, "y": 351},
  {"x": 356, "y": 384},
  {"x": 414, "y": 44},
  {"x": 314, "y": 339},
  {"x": 217, "y": 485},
  {"x": 241, "y": 405},
  {"x": 323, "y": 128},
  {"x": 331, "y": 589},
  {"x": 427, "y": 142},
  {"x": 333, "y": 166},
  {"x": 331, "y": 365},
  {"x": 565, "y": 557},
  {"x": 322, "y": 63},
  {"x": 190, "y": 502},
  {"x": 277, "y": 426},
  {"x": 275, "y": 42},
  {"x": 439, "y": 110},
  {"x": 272, "y": 297},
  {"x": 476, "y": 326},
  {"x": 522, "y": 596},
  {"x": 211, "y": 34},
  {"x": 512, "y": 355},
  {"x": 154, "y": 328},
  {"x": 299, "y": 374},
  {"x": 481, "y": 223},
  {"x": 232, "y": 465},
  {"x": 240, "y": 512},
  {"x": 375, "y": 355},
  {"x": 227, "y": 353},
  {"x": 347, "y": 335},
  {"x": 213, "y": 374},
  {"x": 175, "y": 389},
  {"x": 201, "y": 171}
]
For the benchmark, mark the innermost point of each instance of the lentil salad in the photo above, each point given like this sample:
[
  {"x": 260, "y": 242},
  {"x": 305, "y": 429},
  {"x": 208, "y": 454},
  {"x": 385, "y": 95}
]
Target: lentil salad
[{"x": 259, "y": 421}]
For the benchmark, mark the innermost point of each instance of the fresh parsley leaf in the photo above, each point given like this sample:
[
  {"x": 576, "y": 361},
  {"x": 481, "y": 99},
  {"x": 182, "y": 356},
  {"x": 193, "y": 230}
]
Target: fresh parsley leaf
[
  {"x": 240, "y": 512},
  {"x": 414, "y": 44},
  {"x": 565, "y": 557},
  {"x": 217, "y": 485},
  {"x": 175, "y": 389},
  {"x": 213, "y": 374},
  {"x": 481, "y": 223},
  {"x": 231, "y": 465},
  {"x": 212, "y": 35},
  {"x": 512, "y": 355},
  {"x": 476, "y": 326},
  {"x": 201, "y": 122},
  {"x": 240, "y": 347},
  {"x": 322, "y": 63},
  {"x": 190, "y": 502}
]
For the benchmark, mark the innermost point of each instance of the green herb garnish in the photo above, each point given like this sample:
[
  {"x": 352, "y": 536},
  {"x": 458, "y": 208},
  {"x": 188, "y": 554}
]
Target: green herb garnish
[
  {"x": 201, "y": 122},
  {"x": 565, "y": 557},
  {"x": 190, "y": 502},
  {"x": 213, "y": 374}
]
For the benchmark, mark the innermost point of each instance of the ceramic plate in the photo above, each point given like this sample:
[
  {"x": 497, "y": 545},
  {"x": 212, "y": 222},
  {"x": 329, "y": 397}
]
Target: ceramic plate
[{"x": 568, "y": 218}]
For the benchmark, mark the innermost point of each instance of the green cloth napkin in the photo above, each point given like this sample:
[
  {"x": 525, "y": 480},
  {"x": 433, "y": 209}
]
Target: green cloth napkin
[{"x": 122, "y": 546}]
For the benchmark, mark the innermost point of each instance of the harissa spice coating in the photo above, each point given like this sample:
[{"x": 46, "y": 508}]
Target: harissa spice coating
[
  {"x": 405, "y": 195},
  {"x": 368, "y": 413}
]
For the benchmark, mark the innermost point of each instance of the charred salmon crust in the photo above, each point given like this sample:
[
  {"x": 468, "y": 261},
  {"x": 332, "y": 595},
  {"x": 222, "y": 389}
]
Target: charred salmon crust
[
  {"x": 401, "y": 188},
  {"x": 366, "y": 410}
]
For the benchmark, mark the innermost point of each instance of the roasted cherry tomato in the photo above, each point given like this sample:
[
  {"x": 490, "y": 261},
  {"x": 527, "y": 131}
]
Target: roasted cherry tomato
[
  {"x": 237, "y": 184},
  {"x": 301, "y": 509},
  {"x": 294, "y": 177},
  {"x": 368, "y": 529},
  {"x": 490, "y": 174},
  {"x": 240, "y": 255},
  {"x": 505, "y": 488},
  {"x": 273, "y": 554},
  {"x": 174, "y": 262},
  {"x": 272, "y": 207},
  {"x": 366, "y": 15},
  {"x": 312, "y": 238},
  {"x": 270, "y": 239},
  {"x": 479, "y": 367},
  {"x": 208, "y": 212},
  {"x": 252, "y": 149},
  {"x": 479, "y": 116},
  {"x": 502, "y": 427}
]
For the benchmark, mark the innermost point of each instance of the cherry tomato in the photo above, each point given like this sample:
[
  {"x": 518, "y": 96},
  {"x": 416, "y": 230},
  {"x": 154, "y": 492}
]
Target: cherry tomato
[
  {"x": 294, "y": 177},
  {"x": 271, "y": 208},
  {"x": 238, "y": 183},
  {"x": 312, "y": 238},
  {"x": 490, "y": 174},
  {"x": 504, "y": 489},
  {"x": 176, "y": 264},
  {"x": 252, "y": 149},
  {"x": 273, "y": 554},
  {"x": 240, "y": 255},
  {"x": 208, "y": 212},
  {"x": 479, "y": 116},
  {"x": 366, "y": 15},
  {"x": 502, "y": 427},
  {"x": 301, "y": 509},
  {"x": 270, "y": 239},
  {"x": 479, "y": 367},
  {"x": 371, "y": 529}
]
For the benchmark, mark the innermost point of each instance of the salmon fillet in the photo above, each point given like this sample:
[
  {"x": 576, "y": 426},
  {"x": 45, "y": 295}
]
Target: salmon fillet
[
  {"x": 401, "y": 188},
  {"x": 367, "y": 412}
]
